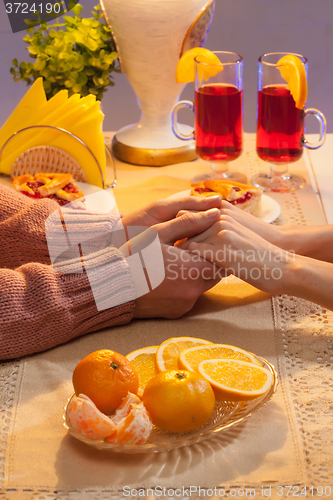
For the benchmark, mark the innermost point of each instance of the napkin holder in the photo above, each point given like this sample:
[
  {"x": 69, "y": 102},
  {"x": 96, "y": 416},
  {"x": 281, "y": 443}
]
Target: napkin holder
[{"x": 47, "y": 158}]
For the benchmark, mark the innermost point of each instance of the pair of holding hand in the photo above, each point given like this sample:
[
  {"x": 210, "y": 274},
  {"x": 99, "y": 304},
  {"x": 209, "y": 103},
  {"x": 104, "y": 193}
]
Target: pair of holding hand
[{"x": 220, "y": 239}]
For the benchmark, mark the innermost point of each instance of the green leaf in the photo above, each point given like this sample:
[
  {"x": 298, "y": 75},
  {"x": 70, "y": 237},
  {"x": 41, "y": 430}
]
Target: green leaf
[
  {"x": 39, "y": 64},
  {"x": 69, "y": 83},
  {"x": 69, "y": 38},
  {"x": 69, "y": 19},
  {"x": 49, "y": 51},
  {"x": 79, "y": 37},
  {"x": 77, "y": 9},
  {"x": 46, "y": 85},
  {"x": 91, "y": 44},
  {"x": 82, "y": 79},
  {"x": 76, "y": 88},
  {"x": 67, "y": 66},
  {"x": 45, "y": 73}
]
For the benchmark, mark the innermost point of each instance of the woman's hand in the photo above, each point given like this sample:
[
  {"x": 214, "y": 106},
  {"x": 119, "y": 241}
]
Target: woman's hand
[
  {"x": 243, "y": 253},
  {"x": 274, "y": 234}
]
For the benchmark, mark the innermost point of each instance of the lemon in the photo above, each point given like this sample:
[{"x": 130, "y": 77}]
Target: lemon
[
  {"x": 293, "y": 71},
  {"x": 185, "y": 70},
  {"x": 235, "y": 380}
]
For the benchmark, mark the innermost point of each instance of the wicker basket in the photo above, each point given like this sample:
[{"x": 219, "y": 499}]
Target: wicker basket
[{"x": 47, "y": 159}]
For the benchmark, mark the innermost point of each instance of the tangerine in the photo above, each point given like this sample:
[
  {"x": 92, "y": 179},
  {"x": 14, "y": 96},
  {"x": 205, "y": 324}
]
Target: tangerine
[
  {"x": 106, "y": 377},
  {"x": 132, "y": 422},
  {"x": 84, "y": 417},
  {"x": 179, "y": 400}
]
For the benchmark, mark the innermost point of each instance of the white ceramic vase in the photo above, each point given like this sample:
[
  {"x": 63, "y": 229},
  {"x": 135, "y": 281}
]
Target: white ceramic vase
[{"x": 150, "y": 36}]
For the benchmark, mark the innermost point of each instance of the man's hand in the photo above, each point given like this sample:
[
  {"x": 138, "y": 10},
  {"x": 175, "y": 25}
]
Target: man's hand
[
  {"x": 186, "y": 276},
  {"x": 164, "y": 210}
]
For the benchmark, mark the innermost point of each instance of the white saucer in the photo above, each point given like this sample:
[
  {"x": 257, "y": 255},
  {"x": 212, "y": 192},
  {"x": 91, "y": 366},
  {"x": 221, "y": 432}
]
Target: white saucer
[
  {"x": 96, "y": 199},
  {"x": 270, "y": 208}
]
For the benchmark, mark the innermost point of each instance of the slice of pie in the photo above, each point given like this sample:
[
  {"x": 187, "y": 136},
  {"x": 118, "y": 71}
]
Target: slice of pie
[
  {"x": 244, "y": 196},
  {"x": 59, "y": 187}
]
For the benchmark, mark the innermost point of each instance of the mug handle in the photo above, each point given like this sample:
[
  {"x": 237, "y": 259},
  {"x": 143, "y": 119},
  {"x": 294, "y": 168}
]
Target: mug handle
[
  {"x": 174, "y": 123},
  {"x": 322, "y": 131}
]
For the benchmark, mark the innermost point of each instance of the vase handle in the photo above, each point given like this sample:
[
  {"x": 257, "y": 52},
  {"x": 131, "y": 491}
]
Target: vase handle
[{"x": 174, "y": 122}]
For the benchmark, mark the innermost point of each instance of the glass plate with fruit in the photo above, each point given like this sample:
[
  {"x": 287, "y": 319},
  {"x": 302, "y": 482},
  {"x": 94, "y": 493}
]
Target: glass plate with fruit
[{"x": 225, "y": 414}]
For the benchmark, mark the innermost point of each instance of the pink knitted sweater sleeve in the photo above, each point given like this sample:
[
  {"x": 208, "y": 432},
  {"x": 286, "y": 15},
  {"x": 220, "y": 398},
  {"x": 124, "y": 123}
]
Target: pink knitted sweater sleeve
[{"x": 41, "y": 307}]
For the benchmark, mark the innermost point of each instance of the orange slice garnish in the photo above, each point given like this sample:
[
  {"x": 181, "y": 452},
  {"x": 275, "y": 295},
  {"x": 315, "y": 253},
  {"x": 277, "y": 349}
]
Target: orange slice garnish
[
  {"x": 293, "y": 71},
  {"x": 185, "y": 70}
]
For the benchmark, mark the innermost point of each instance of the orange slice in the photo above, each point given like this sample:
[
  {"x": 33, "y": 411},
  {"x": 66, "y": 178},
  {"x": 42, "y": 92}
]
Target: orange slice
[
  {"x": 234, "y": 380},
  {"x": 190, "y": 358},
  {"x": 143, "y": 361},
  {"x": 168, "y": 352},
  {"x": 293, "y": 71},
  {"x": 185, "y": 70}
]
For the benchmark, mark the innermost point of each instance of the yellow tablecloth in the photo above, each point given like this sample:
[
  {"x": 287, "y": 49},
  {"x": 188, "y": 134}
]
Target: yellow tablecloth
[{"x": 287, "y": 442}]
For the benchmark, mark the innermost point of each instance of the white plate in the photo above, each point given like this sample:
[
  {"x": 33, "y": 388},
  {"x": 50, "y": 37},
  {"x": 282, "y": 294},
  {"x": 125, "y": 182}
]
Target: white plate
[
  {"x": 270, "y": 208},
  {"x": 97, "y": 199}
]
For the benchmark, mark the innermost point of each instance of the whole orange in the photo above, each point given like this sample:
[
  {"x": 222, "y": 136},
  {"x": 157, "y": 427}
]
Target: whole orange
[
  {"x": 179, "y": 400},
  {"x": 105, "y": 377}
]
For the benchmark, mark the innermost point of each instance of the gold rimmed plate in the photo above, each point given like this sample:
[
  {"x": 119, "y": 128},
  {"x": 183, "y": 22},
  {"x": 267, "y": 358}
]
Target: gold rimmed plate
[{"x": 225, "y": 415}]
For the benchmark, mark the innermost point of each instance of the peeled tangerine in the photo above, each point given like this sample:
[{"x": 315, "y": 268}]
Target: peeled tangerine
[
  {"x": 130, "y": 424},
  {"x": 84, "y": 417}
]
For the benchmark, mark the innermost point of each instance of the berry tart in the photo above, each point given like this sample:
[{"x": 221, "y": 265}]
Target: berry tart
[
  {"x": 244, "y": 196},
  {"x": 59, "y": 187}
]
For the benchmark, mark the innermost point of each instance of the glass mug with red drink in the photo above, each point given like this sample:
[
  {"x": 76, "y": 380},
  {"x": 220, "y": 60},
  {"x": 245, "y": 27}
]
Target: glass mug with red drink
[
  {"x": 281, "y": 125},
  {"x": 218, "y": 112}
]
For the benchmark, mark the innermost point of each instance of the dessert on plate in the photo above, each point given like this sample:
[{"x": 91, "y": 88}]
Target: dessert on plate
[
  {"x": 60, "y": 187},
  {"x": 244, "y": 196}
]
